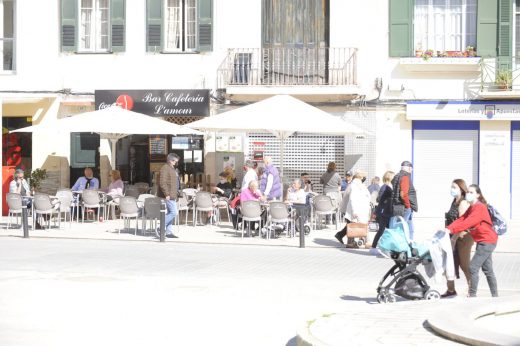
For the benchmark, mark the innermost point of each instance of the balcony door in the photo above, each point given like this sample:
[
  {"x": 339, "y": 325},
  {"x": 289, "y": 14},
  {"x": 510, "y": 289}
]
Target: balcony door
[{"x": 295, "y": 41}]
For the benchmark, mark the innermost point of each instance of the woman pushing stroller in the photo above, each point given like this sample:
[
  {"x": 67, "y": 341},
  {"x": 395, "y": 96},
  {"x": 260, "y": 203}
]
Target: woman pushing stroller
[{"x": 478, "y": 222}]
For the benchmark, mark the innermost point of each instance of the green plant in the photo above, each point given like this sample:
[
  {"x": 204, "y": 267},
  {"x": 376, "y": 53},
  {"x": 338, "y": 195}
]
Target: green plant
[
  {"x": 36, "y": 177},
  {"x": 504, "y": 78}
]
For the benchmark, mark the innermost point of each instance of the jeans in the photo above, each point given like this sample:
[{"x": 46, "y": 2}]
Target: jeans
[
  {"x": 171, "y": 214},
  {"x": 483, "y": 259},
  {"x": 408, "y": 218}
]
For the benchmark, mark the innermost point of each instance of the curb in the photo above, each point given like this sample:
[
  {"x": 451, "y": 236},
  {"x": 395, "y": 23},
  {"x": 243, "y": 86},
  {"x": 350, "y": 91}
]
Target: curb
[{"x": 459, "y": 324}]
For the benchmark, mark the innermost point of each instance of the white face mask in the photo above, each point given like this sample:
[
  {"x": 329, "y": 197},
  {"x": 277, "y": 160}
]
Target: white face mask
[
  {"x": 470, "y": 197},
  {"x": 223, "y": 181},
  {"x": 455, "y": 192}
]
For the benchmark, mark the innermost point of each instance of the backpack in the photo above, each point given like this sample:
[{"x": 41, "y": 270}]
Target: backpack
[{"x": 499, "y": 223}]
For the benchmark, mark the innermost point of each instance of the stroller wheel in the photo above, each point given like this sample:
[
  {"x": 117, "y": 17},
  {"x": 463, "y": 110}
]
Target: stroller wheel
[
  {"x": 381, "y": 298},
  {"x": 432, "y": 294},
  {"x": 385, "y": 298},
  {"x": 360, "y": 242},
  {"x": 307, "y": 229}
]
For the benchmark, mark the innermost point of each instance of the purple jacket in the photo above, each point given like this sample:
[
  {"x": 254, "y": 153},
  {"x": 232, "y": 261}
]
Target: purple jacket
[{"x": 276, "y": 189}]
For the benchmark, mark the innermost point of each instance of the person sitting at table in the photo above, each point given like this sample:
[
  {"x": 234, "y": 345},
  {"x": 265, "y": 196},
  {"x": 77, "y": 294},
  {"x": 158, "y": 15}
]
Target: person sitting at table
[
  {"x": 21, "y": 186},
  {"x": 252, "y": 193},
  {"x": 224, "y": 188},
  {"x": 86, "y": 182},
  {"x": 306, "y": 182},
  {"x": 295, "y": 193},
  {"x": 116, "y": 186}
]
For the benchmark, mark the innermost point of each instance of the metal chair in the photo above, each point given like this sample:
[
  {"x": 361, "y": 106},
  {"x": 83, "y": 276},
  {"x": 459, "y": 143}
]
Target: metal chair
[
  {"x": 90, "y": 199},
  {"x": 203, "y": 202},
  {"x": 223, "y": 203},
  {"x": 129, "y": 209},
  {"x": 152, "y": 212},
  {"x": 14, "y": 202},
  {"x": 42, "y": 205},
  {"x": 279, "y": 213},
  {"x": 322, "y": 205},
  {"x": 74, "y": 201},
  {"x": 251, "y": 211}
]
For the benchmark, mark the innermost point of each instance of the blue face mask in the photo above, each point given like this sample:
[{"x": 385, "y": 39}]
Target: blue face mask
[
  {"x": 455, "y": 192},
  {"x": 470, "y": 197}
]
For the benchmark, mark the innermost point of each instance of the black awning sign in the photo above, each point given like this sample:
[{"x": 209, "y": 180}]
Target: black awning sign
[{"x": 185, "y": 102}]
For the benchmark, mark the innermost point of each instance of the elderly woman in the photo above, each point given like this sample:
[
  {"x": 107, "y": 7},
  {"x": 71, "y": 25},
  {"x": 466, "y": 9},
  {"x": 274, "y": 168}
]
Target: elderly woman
[
  {"x": 295, "y": 193},
  {"x": 116, "y": 186},
  {"x": 252, "y": 193}
]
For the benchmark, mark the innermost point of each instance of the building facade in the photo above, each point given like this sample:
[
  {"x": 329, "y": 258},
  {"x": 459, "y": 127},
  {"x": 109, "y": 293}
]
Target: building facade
[{"x": 429, "y": 81}]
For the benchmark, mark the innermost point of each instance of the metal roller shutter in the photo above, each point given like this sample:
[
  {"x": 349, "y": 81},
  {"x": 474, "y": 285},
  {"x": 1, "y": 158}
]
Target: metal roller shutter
[
  {"x": 515, "y": 171},
  {"x": 442, "y": 152}
]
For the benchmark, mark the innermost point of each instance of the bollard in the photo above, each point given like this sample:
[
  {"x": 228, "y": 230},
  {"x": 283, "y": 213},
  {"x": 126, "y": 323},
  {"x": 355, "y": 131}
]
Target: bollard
[
  {"x": 25, "y": 225},
  {"x": 162, "y": 222},
  {"x": 301, "y": 209}
]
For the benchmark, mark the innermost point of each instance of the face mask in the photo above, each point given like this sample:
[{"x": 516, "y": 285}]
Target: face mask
[
  {"x": 363, "y": 180},
  {"x": 223, "y": 181},
  {"x": 470, "y": 197},
  {"x": 455, "y": 193}
]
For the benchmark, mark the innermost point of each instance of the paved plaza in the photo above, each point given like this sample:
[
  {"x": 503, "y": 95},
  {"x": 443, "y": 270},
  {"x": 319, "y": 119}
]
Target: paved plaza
[{"x": 77, "y": 286}]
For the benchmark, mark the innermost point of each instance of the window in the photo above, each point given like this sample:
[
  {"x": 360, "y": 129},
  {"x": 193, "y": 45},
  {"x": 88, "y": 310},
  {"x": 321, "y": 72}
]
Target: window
[
  {"x": 7, "y": 34},
  {"x": 180, "y": 23},
  {"x": 179, "y": 26},
  {"x": 445, "y": 25},
  {"x": 93, "y": 25}
]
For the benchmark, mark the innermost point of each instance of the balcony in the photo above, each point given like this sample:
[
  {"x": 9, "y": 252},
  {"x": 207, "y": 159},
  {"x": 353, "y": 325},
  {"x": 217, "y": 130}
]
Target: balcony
[
  {"x": 500, "y": 78},
  {"x": 320, "y": 73}
]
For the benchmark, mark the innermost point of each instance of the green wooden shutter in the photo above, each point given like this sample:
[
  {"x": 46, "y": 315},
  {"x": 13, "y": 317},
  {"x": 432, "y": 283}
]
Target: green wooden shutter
[
  {"x": 505, "y": 10},
  {"x": 401, "y": 28},
  {"x": 205, "y": 23},
  {"x": 487, "y": 20},
  {"x": 154, "y": 25},
  {"x": 117, "y": 22},
  {"x": 68, "y": 33}
]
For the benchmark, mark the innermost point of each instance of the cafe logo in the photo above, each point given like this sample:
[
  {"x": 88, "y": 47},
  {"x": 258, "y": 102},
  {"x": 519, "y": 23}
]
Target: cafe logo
[{"x": 125, "y": 101}]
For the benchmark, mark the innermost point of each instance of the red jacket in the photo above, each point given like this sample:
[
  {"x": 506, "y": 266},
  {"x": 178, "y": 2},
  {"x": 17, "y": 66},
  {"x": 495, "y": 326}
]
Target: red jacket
[{"x": 478, "y": 222}]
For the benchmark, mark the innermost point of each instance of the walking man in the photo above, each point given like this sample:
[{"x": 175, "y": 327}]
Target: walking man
[
  {"x": 404, "y": 197},
  {"x": 169, "y": 185}
]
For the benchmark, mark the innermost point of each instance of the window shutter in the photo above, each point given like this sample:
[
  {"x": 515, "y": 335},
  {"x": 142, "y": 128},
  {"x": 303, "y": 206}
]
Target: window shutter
[
  {"x": 153, "y": 25},
  {"x": 117, "y": 22},
  {"x": 505, "y": 10},
  {"x": 68, "y": 25},
  {"x": 205, "y": 23},
  {"x": 487, "y": 20},
  {"x": 401, "y": 28}
]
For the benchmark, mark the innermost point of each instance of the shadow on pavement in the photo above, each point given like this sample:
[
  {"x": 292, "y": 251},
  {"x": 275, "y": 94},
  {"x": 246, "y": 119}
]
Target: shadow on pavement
[
  {"x": 370, "y": 300},
  {"x": 328, "y": 242}
]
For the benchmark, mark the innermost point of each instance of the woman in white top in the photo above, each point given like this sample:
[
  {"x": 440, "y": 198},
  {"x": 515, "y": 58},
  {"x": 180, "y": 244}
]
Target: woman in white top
[
  {"x": 115, "y": 189},
  {"x": 295, "y": 193}
]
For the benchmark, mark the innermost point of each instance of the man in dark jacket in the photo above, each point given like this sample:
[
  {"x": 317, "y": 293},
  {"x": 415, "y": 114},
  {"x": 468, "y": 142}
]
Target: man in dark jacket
[
  {"x": 169, "y": 185},
  {"x": 404, "y": 197}
]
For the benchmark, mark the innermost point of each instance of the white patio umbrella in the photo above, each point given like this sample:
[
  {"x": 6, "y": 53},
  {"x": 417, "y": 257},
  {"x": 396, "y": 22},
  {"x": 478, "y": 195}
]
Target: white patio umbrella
[
  {"x": 112, "y": 123},
  {"x": 281, "y": 115}
]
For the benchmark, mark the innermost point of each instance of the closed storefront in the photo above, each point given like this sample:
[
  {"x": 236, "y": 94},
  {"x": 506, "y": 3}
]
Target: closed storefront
[
  {"x": 515, "y": 170},
  {"x": 443, "y": 151}
]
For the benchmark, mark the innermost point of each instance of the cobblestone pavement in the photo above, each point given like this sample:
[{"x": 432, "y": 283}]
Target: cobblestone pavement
[{"x": 92, "y": 292}]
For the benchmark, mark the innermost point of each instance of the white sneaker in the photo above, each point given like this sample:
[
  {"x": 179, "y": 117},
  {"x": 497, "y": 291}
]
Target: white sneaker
[{"x": 373, "y": 251}]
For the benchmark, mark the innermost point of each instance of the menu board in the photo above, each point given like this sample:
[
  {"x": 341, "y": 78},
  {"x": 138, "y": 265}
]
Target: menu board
[{"x": 158, "y": 148}]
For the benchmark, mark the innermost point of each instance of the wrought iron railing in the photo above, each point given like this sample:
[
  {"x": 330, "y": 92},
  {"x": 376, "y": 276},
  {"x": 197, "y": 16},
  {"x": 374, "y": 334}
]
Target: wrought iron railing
[
  {"x": 288, "y": 67},
  {"x": 500, "y": 74}
]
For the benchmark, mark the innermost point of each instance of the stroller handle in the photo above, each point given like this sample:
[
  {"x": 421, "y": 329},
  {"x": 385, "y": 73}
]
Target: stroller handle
[{"x": 395, "y": 220}]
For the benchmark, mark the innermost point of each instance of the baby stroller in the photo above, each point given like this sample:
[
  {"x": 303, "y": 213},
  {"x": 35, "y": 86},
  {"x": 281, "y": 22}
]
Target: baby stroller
[{"x": 406, "y": 281}]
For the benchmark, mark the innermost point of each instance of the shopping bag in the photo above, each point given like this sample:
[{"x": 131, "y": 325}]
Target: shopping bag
[{"x": 357, "y": 230}]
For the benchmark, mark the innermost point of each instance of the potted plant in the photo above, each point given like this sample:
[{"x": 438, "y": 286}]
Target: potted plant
[
  {"x": 504, "y": 79},
  {"x": 470, "y": 51},
  {"x": 36, "y": 177},
  {"x": 428, "y": 54}
]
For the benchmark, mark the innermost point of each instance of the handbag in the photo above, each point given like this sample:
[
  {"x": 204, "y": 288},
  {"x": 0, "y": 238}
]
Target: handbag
[{"x": 357, "y": 230}]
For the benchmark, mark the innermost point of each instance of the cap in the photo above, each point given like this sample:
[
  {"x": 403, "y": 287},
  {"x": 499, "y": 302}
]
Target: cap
[
  {"x": 406, "y": 164},
  {"x": 349, "y": 173}
]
